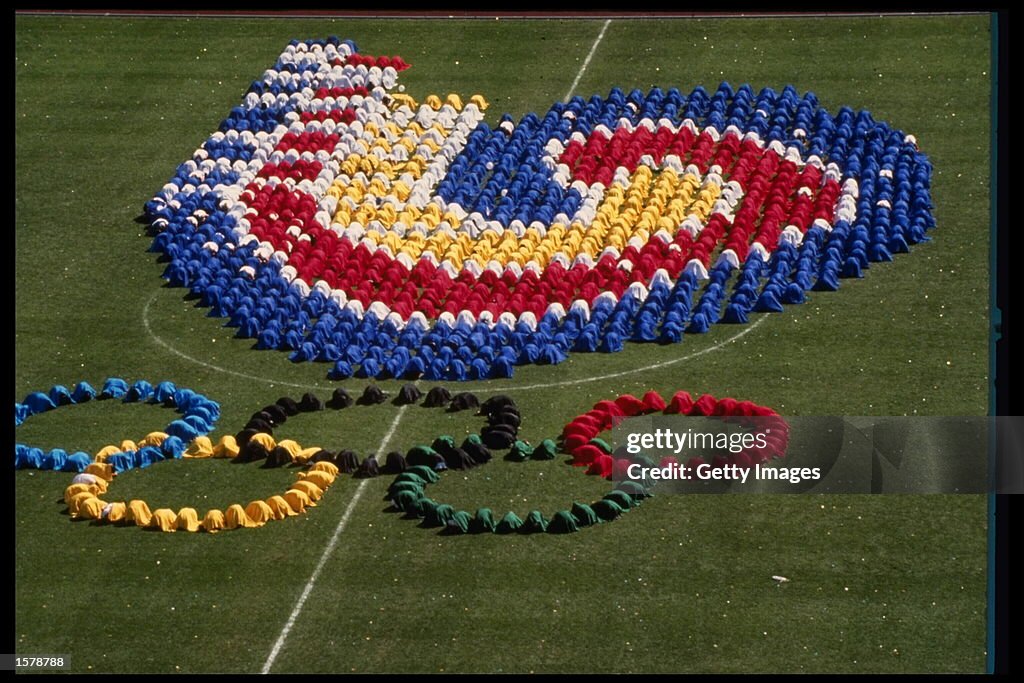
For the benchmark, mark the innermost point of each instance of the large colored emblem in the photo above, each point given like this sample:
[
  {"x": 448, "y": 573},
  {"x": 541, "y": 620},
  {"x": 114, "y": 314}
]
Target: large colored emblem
[{"x": 335, "y": 217}]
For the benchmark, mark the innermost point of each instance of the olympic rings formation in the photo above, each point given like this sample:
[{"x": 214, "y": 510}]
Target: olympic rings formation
[{"x": 415, "y": 470}]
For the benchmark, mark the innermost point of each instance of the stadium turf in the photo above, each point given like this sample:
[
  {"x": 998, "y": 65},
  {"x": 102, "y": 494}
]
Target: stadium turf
[{"x": 107, "y": 108}]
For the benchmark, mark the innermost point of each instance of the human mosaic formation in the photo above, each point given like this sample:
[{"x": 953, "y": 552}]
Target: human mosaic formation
[
  {"x": 335, "y": 217},
  {"x": 89, "y": 495},
  {"x": 580, "y": 438},
  {"x": 407, "y": 493},
  {"x": 198, "y": 417}
]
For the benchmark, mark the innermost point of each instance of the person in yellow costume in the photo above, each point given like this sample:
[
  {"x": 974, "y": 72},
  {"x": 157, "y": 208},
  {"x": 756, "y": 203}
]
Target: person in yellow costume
[
  {"x": 614, "y": 193},
  {"x": 213, "y": 521},
  {"x": 399, "y": 99},
  {"x": 314, "y": 492},
  {"x": 601, "y": 222},
  {"x": 384, "y": 234},
  {"x": 325, "y": 466},
  {"x": 116, "y": 512},
  {"x": 441, "y": 242},
  {"x": 291, "y": 446},
  {"x": 259, "y": 512},
  {"x": 106, "y": 452},
  {"x": 674, "y": 214},
  {"x": 201, "y": 447},
  {"x": 343, "y": 215},
  {"x": 417, "y": 163},
  {"x": 415, "y": 235},
  {"x": 73, "y": 490},
  {"x": 320, "y": 479},
  {"x": 635, "y": 201},
  {"x": 152, "y": 439},
  {"x": 102, "y": 470},
  {"x": 366, "y": 213},
  {"x": 91, "y": 508},
  {"x": 164, "y": 519},
  {"x": 377, "y": 187},
  {"x": 401, "y": 190},
  {"x": 708, "y": 196},
  {"x": 235, "y": 517},
  {"x": 227, "y": 447},
  {"x": 298, "y": 500},
  {"x": 386, "y": 214},
  {"x": 264, "y": 439},
  {"x": 138, "y": 512},
  {"x": 350, "y": 165},
  {"x": 616, "y": 239},
  {"x": 648, "y": 219},
  {"x": 686, "y": 189},
  {"x": 368, "y": 164},
  {"x": 303, "y": 456},
  {"x": 280, "y": 507},
  {"x": 187, "y": 520},
  {"x": 431, "y": 215},
  {"x": 76, "y": 502},
  {"x": 336, "y": 189},
  {"x": 454, "y": 100}
]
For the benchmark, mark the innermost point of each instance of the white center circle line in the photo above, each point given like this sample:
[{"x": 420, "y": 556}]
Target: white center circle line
[{"x": 529, "y": 387}]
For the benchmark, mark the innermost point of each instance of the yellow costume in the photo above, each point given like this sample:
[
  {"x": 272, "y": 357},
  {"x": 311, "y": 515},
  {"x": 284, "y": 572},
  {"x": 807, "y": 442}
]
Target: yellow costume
[
  {"x": 201, "y": 447},
  {"x": 313, "y": 491},
  {"x": 152, "y": 439},
  {"x": 235, "y": 517},
  {"x": 298, "y": 500},
  {"x": 188, "y": 519},
  {"x": 164, "y": 519},
  {"x": 280, "y": 507},
  {"x": 138, "y": 512},
  {"x": 213, "y": 521},
  {"x": 259, "y": 512}
]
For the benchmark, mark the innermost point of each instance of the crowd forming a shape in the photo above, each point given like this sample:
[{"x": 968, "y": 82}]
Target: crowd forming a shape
[{"x": 335, "y": 217}]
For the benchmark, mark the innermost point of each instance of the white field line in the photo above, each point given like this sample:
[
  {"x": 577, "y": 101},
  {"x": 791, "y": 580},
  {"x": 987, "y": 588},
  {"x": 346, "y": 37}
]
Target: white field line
[
  {"x": 586, "y": 62},
  {"x": 210, "y": 366},
  {"x": 633, "y": 371},
  {"x": 297, "y": 610},
  {"x": 529, "y": 387}
]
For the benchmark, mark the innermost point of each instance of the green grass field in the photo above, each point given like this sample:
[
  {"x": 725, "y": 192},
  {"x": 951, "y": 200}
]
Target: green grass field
[{"x": 105, "y": 111}]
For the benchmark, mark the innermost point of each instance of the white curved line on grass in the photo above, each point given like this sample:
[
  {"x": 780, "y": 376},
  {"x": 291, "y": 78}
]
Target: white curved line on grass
[
  {"x": 632, "y": 371},
  {"x": 181, "y": 354},
  {"x": 529, "y": 387}
]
